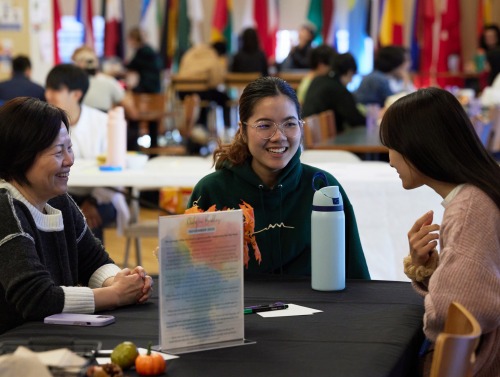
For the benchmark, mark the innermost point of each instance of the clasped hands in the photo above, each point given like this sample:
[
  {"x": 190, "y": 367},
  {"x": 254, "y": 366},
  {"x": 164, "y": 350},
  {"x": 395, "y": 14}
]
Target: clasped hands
[{"x": 131, "y": 286}]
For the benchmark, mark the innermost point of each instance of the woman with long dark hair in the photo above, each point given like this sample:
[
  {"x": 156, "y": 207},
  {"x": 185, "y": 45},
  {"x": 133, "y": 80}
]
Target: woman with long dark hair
[{"x": 432, "y": 142}]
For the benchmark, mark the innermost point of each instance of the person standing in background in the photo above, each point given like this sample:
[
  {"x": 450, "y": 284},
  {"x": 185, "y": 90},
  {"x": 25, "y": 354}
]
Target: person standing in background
[
  {"x": 20, "y": 84},
  {"x": 146, "y": 64}
]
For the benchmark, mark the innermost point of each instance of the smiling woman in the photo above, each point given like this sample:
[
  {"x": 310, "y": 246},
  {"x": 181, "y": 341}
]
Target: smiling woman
[
  {"x": 262, "y": 168},
  {"x": 50, "y": 262}
]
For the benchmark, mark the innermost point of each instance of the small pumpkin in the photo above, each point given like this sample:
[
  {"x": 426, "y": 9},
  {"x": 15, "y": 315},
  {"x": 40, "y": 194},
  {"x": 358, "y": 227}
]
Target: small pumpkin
[{"x": 150, "y": 364}]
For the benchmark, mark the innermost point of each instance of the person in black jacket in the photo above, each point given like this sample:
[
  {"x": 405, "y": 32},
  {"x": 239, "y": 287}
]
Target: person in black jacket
[
  {"x": 250, "y": 57},
  {"x": 329, "y": 92}
]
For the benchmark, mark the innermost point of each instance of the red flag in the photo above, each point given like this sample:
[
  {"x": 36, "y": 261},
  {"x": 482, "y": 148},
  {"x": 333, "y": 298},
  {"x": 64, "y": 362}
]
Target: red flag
[
  {"x": 327, "y": 26},
  {"x": 261, "y": 22},
  {"x": 113, "y": 38},
  {"x": 266, "y": 21},
  {"x": 57, "y": 27}
]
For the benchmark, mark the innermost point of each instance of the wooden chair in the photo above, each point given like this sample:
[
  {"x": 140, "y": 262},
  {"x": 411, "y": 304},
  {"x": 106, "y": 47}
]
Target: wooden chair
[
  {"x": 153, "y": 107},
  {"x": 493, "y": 142},
  {"x": 319, "y": 127},
  {"x": 327, "y": 124},
  {"x": 454, "y": 349},
  {"x": 312, "y": 131}
]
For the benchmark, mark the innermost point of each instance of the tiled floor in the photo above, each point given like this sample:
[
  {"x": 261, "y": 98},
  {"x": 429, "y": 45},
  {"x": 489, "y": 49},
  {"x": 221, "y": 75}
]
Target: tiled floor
[{"x": 115, "y": 245}]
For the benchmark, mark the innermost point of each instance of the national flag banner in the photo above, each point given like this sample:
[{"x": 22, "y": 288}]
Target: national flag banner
[
  {"x": 261, "y": 23},
  {"x": 358, "y": 19},
  {"x": 328, "y": 24},
  {"x": 182, "y": 33},
  {"x": 272, "y": 28},
  {"x": 57, "y": 26},
  {"x": 149, "y": 23},
  {"x": 84, "y": 15},
  {"x": 221, "y": 21},
  {"x": 315, "y": 16},
  {"x": 195, "y": 15},
  {"x": 391, "y": 25},
  {"x": 168, "y": 32},
  {"x": 113, "y": 32}
]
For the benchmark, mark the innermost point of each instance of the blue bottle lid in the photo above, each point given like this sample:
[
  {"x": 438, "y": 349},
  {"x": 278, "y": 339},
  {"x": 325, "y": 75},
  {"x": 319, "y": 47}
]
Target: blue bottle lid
[{"x": 110, "y": 168}]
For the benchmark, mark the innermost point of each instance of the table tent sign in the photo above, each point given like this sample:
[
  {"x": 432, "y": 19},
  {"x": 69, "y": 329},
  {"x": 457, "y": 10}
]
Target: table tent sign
[{"x": 201, "y": 281}]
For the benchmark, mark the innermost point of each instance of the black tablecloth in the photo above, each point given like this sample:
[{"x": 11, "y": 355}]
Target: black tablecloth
[{"x": 372, "y": 328}]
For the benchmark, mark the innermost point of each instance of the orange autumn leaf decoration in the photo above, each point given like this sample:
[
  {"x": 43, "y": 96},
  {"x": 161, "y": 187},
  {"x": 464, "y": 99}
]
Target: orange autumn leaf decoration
[{"x": 248, "y": 228}]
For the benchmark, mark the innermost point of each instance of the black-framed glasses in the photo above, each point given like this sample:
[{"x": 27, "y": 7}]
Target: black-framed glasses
[{"x": 266, "y": 129}]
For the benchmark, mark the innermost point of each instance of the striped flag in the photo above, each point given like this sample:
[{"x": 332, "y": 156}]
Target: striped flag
[
  {"x": 222, "y": 23},
  {"x": 113, "y": 32},
  {"x": 150, "y": 23},
  {"x": 391, "y": 25},
  {"x": 84, "y": 15}
]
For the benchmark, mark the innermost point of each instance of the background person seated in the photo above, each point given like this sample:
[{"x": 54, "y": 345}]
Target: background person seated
[
  {"x": 321, "y": 62},
  {"x": 299, "y": 55},
  {"x": 19, "y": 84},
  {"x": 390, "y": 76},
  {"x": 105, "y": 92},
  {"x": 250, "y": 57},
  {"x": 329, "y": 92}
]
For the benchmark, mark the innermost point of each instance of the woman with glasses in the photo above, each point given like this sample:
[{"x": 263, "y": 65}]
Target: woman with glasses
[{"x": 262, "y": 167}]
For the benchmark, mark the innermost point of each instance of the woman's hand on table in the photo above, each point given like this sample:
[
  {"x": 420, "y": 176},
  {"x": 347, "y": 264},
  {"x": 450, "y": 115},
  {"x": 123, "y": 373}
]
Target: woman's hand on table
[
  {"x": 127, "y": 287},
  {"x": 147, "y": 289},
  {"x": 422, "y": 238}
]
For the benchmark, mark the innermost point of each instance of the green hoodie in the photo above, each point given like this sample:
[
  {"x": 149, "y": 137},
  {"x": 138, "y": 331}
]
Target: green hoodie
[{"x": 285, "y": 249}]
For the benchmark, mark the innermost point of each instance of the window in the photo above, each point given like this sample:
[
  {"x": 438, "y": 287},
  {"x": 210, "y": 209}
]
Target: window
[{"x": 70, "y": 37}]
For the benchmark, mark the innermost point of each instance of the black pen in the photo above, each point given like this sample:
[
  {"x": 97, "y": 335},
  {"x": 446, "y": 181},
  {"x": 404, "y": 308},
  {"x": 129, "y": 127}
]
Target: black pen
[{"x": 265, "y": 308}]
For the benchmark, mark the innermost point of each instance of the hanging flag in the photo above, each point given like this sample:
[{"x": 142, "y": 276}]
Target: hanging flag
[
  {"x": 113, "y": 32},
  {"x": 57, "y": 27},
  {"x": 391, "y": 25},
  {"x": 328, "y": 25},
  {"x": 84, "y": 15},
  {"x": 272, "y": 29},
  {"x": 261, "y": 23},
  {"x": 169, "y": 32},
  {"x": 449, "y": 36},
  {"x": 358, "y": 19},
  {"x": 195, "y": 16},
  {"x": 414, "y": 38},
  {"x": 315, "y": 16},
  {"x": 149, "y": 23},
  {"x": 221, "y": 22},
  {"x": 182, "y": 33}
]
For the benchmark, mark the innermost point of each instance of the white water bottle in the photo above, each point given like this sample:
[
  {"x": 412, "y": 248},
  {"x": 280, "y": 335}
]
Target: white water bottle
[{"x": 328, "y": 240}]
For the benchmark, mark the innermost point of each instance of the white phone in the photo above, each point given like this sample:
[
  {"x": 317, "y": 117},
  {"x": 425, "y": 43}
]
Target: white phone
[{"x": 79, "y": 319}]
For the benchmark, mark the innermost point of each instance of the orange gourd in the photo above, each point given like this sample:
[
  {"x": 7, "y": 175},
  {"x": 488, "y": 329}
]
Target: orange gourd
[{"x": 150, "y": 364}]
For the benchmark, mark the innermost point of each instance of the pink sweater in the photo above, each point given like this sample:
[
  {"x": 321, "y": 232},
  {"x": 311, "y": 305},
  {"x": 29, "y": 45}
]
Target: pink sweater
[{"x": 468, "y": 272}]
